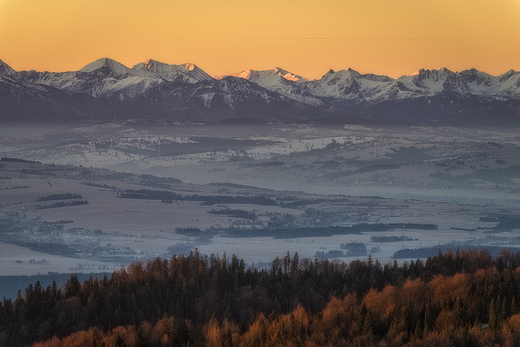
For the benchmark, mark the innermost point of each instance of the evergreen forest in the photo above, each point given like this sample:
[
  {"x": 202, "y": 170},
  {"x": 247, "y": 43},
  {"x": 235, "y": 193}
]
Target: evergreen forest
[{"x": 462, "y": 298}]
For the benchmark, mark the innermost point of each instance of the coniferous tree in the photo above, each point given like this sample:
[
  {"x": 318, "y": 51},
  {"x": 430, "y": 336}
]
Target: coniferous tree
[
  {"x": 493, "y": 316},
  {"x": 429, "y": 318},
  {"x": 167, "y": 302}
]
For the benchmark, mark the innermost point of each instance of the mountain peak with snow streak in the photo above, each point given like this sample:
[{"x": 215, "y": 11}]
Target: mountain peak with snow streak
[
  {"x": 151, "y": 66},
  {"x": 508, "y": 75},
  {"x": 288, "y": 75},
  {"x": 245, "y": 74},
  {"x": 106, "y": 67},
  {"x": 5, "y": 69},
  {"x": 341, "y": 74},
  {"x": 268, "y": 77},
  {"x": 188, "y": 72}
]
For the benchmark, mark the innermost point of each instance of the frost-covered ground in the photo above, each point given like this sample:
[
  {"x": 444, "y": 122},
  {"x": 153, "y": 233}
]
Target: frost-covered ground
[
  {"x": 450, "y": 177},
  {"x": 427, "y": 163}
]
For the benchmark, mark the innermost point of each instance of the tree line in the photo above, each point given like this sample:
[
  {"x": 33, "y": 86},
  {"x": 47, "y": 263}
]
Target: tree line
[
  {"x": 466, "y": 298},
  {"x": 62, "y": 204},
  {"x": 169, "y": 197},
  {"x": 64, "y": 196}
]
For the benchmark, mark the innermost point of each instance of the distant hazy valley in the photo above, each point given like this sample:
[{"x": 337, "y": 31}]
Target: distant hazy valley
[{"x": 90, "y": 198}]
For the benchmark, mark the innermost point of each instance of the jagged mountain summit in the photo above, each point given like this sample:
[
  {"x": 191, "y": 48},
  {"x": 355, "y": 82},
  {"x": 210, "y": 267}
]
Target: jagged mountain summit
[
  {"x": 189, "y": 72},
  {"x": 268, "y": 77},
  {"x": 106, "y": 68},
  {"x": 152, "y": 89}
]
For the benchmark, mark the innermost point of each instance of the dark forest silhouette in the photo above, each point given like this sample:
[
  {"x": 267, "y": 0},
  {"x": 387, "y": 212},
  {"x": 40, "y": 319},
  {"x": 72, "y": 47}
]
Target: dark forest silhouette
[{"x": 466, "y": 298}]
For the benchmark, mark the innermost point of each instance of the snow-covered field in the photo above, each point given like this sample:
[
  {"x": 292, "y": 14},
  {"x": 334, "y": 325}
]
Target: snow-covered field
[{"x": 445, "y": 176}]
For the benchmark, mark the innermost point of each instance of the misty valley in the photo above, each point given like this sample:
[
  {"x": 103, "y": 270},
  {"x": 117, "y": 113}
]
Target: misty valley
[{"x": 93, "y": 197}]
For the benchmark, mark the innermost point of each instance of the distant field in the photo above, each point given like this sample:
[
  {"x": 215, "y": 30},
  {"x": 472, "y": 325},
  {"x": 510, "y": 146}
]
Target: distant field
[{"x": 95, "y": 197}]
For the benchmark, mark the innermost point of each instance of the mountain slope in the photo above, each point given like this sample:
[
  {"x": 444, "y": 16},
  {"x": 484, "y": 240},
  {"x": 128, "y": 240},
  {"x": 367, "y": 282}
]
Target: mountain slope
[
  {"x": 22, "y": 101},
  {"x": 5, "y": 69},
  {"x": 229, "y": 97}
]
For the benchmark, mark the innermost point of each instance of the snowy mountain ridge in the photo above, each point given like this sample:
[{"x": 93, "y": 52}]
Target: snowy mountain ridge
[
  {"x": 113, "y": 77},
  {"x": 159, "y": 88}
]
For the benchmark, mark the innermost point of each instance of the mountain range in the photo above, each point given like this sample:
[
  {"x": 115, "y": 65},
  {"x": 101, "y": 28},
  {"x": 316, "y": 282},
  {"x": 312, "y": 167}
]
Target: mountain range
[{"x": 105, "y": 89}]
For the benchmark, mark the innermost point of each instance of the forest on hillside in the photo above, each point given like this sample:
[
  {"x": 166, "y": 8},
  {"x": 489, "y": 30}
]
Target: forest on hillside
[{"x": 463, "y": 298}]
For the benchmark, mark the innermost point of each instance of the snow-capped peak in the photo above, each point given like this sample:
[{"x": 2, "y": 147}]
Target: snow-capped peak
[
  {"x": 341, "y": 75},
  {"x": 245, "y": 74},
  {"x": 508, "y": 75},
  {"x": 5, "y": 69},
  {"x": 153, "y": 68},
  {"x": 474, "y": 74},
  {"x": 287, "y": 75},
  {"x": 148, "y": 63},
  {"x": 435, "y": 72},
  {"x": 267, "y": 78},
  {"x": 106, "y": 67},
  {"x": 416, "y": 73}
]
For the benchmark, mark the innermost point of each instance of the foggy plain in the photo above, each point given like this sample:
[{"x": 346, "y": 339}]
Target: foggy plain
[{"x": 342, "y": 191}]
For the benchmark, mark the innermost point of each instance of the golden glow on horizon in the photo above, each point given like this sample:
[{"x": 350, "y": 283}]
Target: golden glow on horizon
[{"x": 306, "y": 37}]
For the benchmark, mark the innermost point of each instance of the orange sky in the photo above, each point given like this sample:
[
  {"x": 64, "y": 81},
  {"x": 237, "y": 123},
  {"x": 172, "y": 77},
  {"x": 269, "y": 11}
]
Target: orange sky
[{"x": 306, "y": 37}]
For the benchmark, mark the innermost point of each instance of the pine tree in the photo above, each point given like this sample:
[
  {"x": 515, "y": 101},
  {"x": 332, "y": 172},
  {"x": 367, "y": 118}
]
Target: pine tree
[
  {"x": 459, "y": 311},
  {"x": 514, "y": 305},
  {"x": 120, "y": 342},
  {"x": 419, "y": 330},
  {"x": 493, "y": 317},
  {"x": 398, "y": 323},
  {"x": 429, "y": 318},
  {"x": 262, "y": 332},
  {"x": 182, "y": 334},
  {"x": 366, "y": 328},
  {"x": 228, "y": 342},
  {"x": 504, "y": 309}
]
